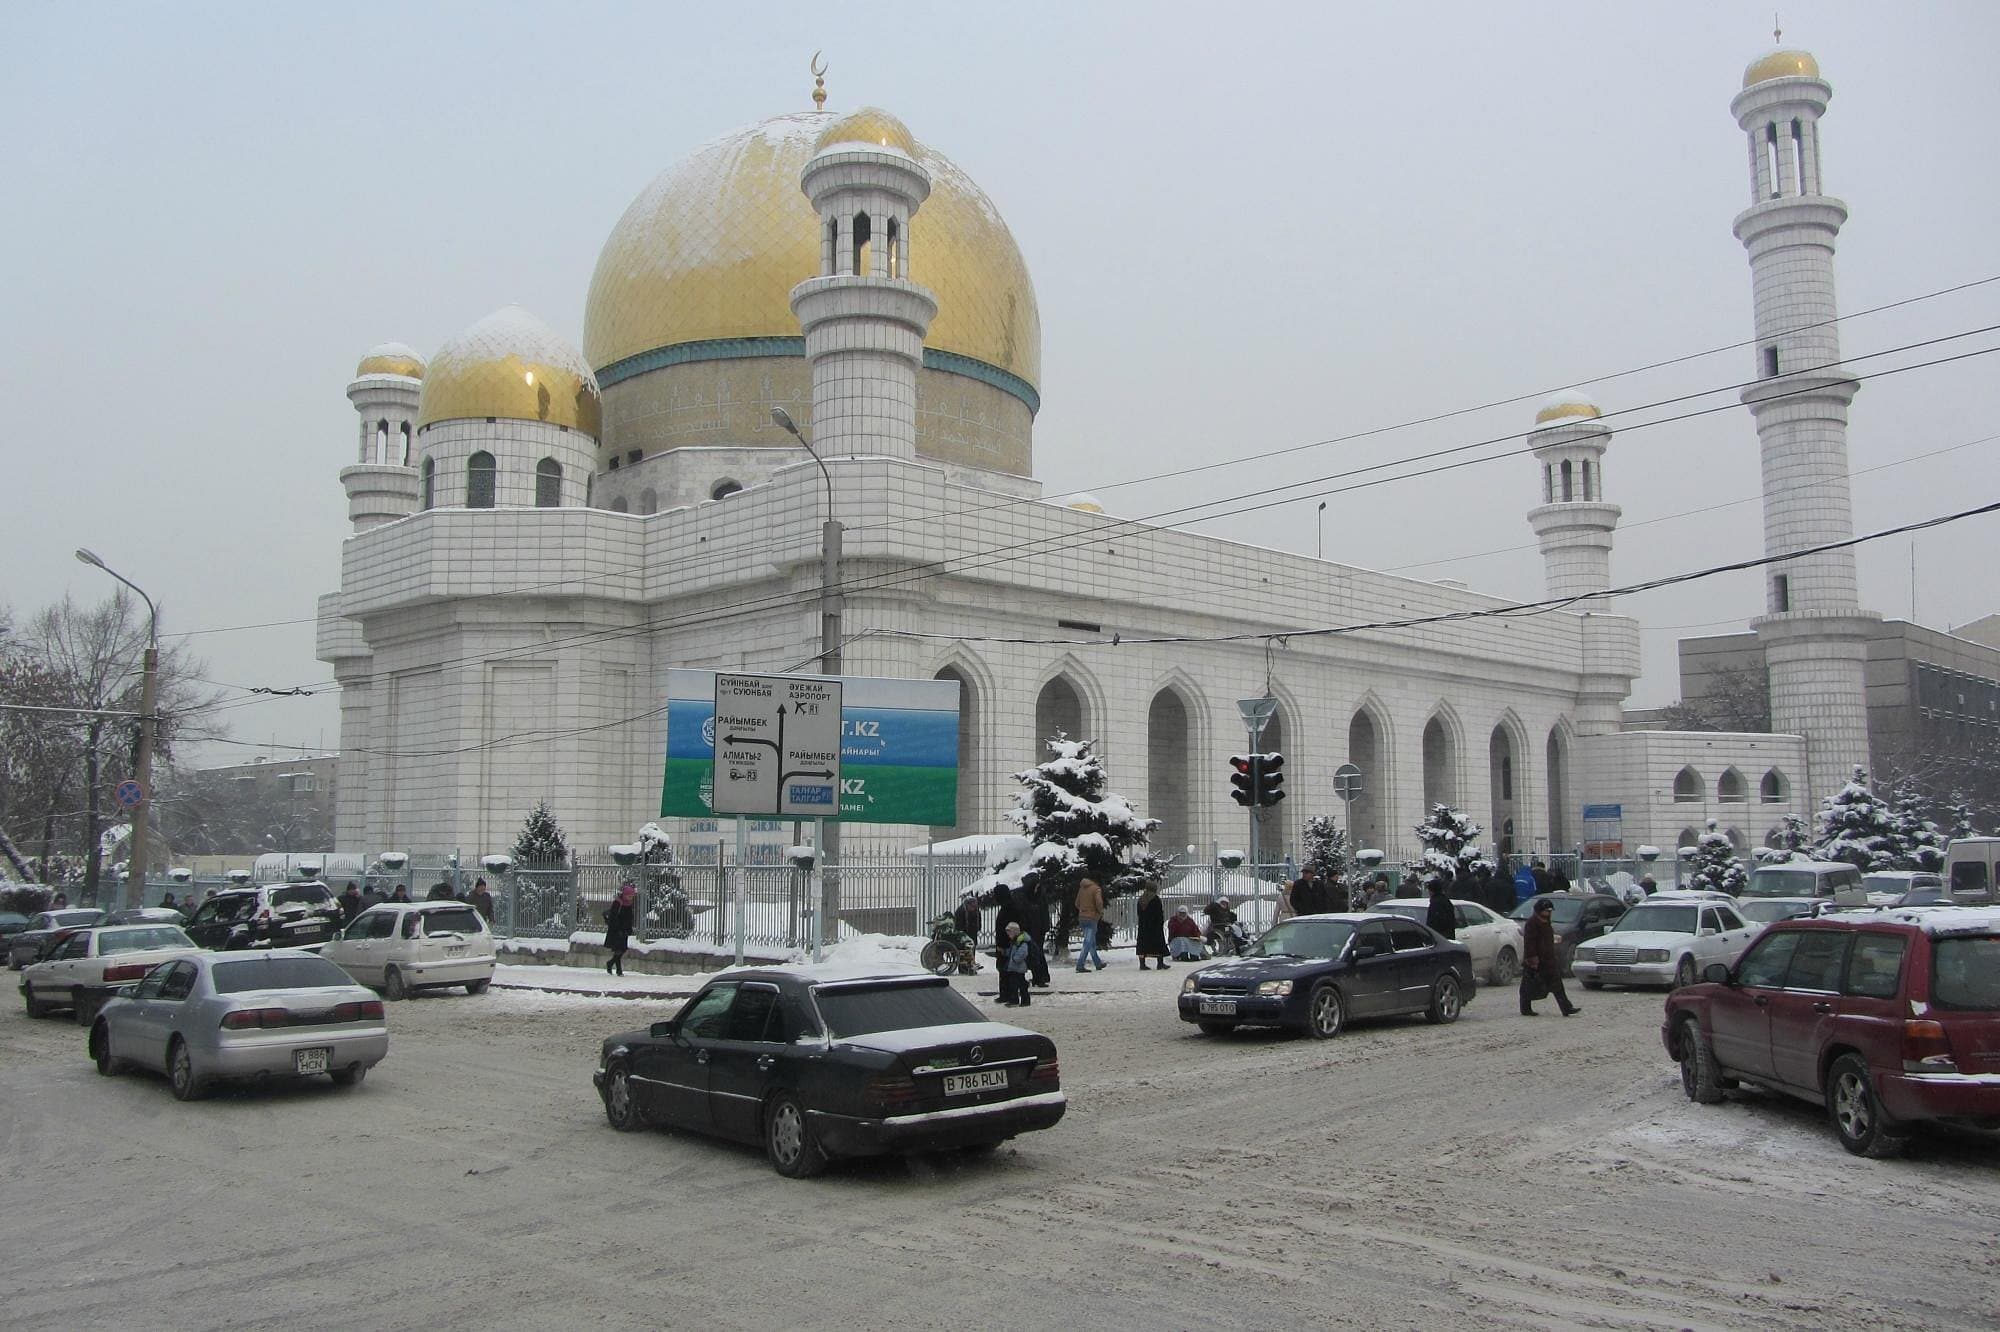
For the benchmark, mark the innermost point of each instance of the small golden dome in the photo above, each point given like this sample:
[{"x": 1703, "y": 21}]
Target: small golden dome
[
  {"x": 871, "y": 127},
  {"x": 512, "y": 365},
  {"x": 1783, "y": 63},
  {"x": 1085, "y": 503},
  {"x": 1568, "y": 405},
  {"x": 391, "y": 358}
]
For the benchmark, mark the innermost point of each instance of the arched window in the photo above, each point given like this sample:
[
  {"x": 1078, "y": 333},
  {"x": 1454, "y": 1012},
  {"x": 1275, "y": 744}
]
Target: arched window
[
  {"x": 1569, "y": 481},
  {"x": 1588, "y": 480},
  {"x": 1687, "y": 787},
  {"x": 1772, "y": 790},
  {"x": 1729, "y": 789},
  {"x": 723, "y": 489},
  {"x": 430, "y": 481},
  {"x": 649, "y": 500},
  {"x": 861, "y": 246},
  {"x": 381, "y": 442},
  {"x": 548, "y": 484},
  {"x": 890, "y": 236},
  {"x": 479, "y": 481},
  {"x": 403, "y": 458},
  {"x": 620, "y": 506}
]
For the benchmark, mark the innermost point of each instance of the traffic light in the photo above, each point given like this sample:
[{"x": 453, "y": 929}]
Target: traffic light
[
  {"x": 1243, "y": 778},
  {"x": 1270, "y": 778}
]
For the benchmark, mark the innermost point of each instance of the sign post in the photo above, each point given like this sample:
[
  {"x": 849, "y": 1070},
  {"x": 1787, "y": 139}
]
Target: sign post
[{"x": 1348, "y": 786}]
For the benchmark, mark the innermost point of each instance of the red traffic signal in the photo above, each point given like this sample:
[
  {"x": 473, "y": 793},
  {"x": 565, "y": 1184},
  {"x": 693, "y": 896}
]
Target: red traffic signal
[
  {"x": 1270, "y": 774},
  {"x": 1243, "y": 778}
]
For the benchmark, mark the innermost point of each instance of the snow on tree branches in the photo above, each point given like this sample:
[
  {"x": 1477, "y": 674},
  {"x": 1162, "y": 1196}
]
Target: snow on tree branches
[
  {"x": 1920, "y": 844},
  {"x": 1857, "y": 828},
  {"x": 541, "y": 842},
  {"x": 1451, "y": 844},
  {"x": 1711, "y": 864},
  {"x": 1325, "y": 848},
  {"x": 1076, "y": 829}
]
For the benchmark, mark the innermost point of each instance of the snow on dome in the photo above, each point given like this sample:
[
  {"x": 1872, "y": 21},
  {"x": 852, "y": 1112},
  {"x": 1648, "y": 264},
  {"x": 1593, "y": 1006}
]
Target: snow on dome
[
  {"x": 1567, "y": 405},
  {"x": 1086, "y": 503},
  {"x": 391, "y": 358},
  {"x": 1782, "y": 63},
  {"x": 870, "y": 127},
  {"x": 512, "y": 366}
]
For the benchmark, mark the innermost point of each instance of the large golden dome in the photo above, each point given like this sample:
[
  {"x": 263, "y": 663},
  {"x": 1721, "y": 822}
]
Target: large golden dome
[
  {"x": 511, "y": 366},
  {"x": 710, "y": 252},
  {"x": 1786, "y": 62}
]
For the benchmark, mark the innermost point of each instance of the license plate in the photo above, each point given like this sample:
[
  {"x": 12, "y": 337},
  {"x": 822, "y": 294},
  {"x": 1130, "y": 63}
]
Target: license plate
[
  {"x": 1225, "y": 1007},
  {"x": 986, "y": 1079},
  {"x": 1612, "y": 969},
  {"x": 454, "y": 951},
  {"x": 314, "y": 1060},
  {"x": 306, "y": 925}
]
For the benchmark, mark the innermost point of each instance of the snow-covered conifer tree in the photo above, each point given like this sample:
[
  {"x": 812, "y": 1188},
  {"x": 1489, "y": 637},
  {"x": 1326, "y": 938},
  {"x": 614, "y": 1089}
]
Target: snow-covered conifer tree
[
  {"x": 541, "y": 843},
  {"x": 1077, "y": 829},
  {"x": 1790, "y": 839},
  {"x": 1326, "y": 849},
  {"x": 1857, "y": 828},
  {"x": 1450, "y": 842},
  {"x": 1958, "y": 810},
  {"x": 1922, "y": 845},
  {"x": 1712, "y": 864}
]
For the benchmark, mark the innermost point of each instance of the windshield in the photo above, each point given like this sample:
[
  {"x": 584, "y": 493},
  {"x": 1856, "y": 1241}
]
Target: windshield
[
  {"x": 1965, "y": 973},
  {"x": 151, "y": 936},
  {"x": 1654, "y": 916},
  {"x": 1763, "y": 913},
  {"x": 1305, "y": 938},
  {"x": 312, "y": 894},
  {"x": 458, "y": 920},
  {"x": 235, "y": 906},
  {"x": 1568, "y": 909},
  {"x": 862, "y": 1011},
  {"x": 277, "y": 973}
]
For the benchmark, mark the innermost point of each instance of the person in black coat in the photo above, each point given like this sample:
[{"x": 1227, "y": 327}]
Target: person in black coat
[
  {"x": 1035, "y": 924},
  {"x": 619, "y": 918},
  {"x": 1007, "y": 911},
  {"x": 1151, "y": 941},
  {"x": 1440, "y": 915}
]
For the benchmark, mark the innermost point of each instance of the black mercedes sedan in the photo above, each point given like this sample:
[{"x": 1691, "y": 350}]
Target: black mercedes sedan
[
  {"x": 833, "y": 1060},
  {"x": 1315, "y": 973}
]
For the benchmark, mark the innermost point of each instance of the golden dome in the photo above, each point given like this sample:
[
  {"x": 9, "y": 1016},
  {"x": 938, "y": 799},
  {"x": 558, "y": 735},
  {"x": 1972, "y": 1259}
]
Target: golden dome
[
  {"x": 1085, "y": 503},
  {"x": 510, "y": 364},
  {"x": 871, "y": 127},
  {"x": 1782, "y": 63},
  {"x": 713, "y": 247},
  {"x": 391, "y": 358},
  {"x": 1568, "y": 405}
]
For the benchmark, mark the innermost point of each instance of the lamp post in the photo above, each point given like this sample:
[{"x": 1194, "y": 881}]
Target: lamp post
[
  {"x": 1322, "y": 529},
  {"x": 829, "y": 664},
  {"x": 143, "y": 765}
]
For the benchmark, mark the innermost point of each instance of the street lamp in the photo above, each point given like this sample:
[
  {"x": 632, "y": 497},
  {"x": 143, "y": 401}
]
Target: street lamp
[
  {"x": 143, "y": 766},
  {"x": 829, "y": 664},
  {"x": 1322, "y": 529}
]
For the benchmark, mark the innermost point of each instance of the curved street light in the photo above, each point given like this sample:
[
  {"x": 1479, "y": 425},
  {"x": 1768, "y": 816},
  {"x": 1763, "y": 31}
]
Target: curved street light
[{"x": 135, "y": 875}]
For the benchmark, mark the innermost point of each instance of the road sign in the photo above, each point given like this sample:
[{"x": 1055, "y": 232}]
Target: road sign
[
  {"x": 1347, "y": 782},
  {"x": 1256, "y": 711},
  {"x": 777, "y": 745},
  {"x": 130, "y": 795}
]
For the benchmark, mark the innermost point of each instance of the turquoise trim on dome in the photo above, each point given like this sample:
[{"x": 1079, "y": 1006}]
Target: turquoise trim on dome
[{"x": 736, "y": 349}]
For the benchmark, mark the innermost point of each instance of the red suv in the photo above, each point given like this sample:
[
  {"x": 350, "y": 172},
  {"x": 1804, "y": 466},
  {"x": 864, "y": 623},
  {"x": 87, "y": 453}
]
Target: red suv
[{"x": 1887, "y": 1018}]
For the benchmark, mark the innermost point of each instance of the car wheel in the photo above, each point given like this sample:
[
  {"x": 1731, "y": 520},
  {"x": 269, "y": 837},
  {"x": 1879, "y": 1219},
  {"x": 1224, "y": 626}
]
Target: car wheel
[
  {"x": 33, "y": 1004},
  {"x": 1700, "y": 1078},
  {"x": 393, "y": 987},
  {"x": 1856, "y": 1112},
  {"x": 477, "y": 987},
  {"x": 187, "y": 1084},
  {"x": 1591, "y": 983},
  {"x": 621, "y": 1107},
  {"x": 1445, "y": 1003},
  {"x": 348, "y": 1077},
  {"x": 100, "y": 1052},
  {"x": 83, "y": 1007},
  {"x": 1216, "y": 1028},
  {"x": 1684, "y": 975},
  {"x": 1326, "y": 1012},
  {"x": 788, "y": 1139},
  {"x": 1506, "y": 967}
]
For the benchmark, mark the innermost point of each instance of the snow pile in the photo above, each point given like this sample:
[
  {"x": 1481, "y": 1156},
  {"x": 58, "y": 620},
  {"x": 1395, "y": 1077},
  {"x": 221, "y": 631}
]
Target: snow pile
[{"x": 866, "y": 954}]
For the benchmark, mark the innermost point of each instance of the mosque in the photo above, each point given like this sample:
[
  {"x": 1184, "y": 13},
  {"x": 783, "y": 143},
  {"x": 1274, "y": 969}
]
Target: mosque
[{"x": 541, "y": 532}]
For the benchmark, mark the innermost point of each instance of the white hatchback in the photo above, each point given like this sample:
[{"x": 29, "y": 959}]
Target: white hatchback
[
  {"x": 1668, "y": 939},
  {"x": 401, "y": 947}
]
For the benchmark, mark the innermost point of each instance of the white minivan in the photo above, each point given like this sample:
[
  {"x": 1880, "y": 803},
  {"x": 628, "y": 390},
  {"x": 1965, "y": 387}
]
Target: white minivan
[
  {"x": 402, "y": 947},
  {"x": 1972, "y": 869},
  {"x": 1804, "y": 878}
]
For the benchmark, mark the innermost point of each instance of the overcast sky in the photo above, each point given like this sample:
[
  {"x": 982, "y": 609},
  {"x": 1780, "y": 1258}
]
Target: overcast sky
[{"x": 1250, "y": 228}]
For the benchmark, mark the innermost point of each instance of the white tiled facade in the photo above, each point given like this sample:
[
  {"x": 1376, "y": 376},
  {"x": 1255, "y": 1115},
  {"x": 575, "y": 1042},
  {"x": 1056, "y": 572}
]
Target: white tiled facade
[{"x": 490, "y": 658}]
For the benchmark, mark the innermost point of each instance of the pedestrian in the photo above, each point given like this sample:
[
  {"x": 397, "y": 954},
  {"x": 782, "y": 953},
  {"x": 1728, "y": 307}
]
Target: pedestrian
[
  {"x": 1544, "y": 881},
  {"x": 402, "y": 894},
  {"x": 1014, "y": 968},
  {"x": 482, "y": 901},
  {"x": 1441, "y": 915},
  {"x": 1647, "y": 886},
  {"x": 966, "y": 917},
  {"x": 440, "y": 892},
  {"x": 1559, "y": 880},
  {"x": 1034, "y": 905},
  {"x": 1007, "y": 911},
  {"x": 1184, "y": 936},
  {"x": 1089, "y": 911},
  {"x": 1151, "y": 942},
  {"x": 1378, "y": 891},
  {"x": 618, "y": 920},
  {"x": 350, "y": 904},
  {"x": 61, "y": 903},
  {"x": 1541, "y": 962},
  {"x": 168, "y": 902},
  {"x": 1282, "y": 909},
  {"x": 371, "y": 896}
]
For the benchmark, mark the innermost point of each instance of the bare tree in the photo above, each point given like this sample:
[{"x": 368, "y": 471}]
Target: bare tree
[{"x": 1736, "y": 698}]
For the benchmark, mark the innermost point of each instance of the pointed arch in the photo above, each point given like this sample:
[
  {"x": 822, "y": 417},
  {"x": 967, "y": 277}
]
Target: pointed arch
[
  {"x": 1774, "y": 789},
  {"x": 1371, "y": 747},
  {"x": 1442, "y": 746},
  {"x": 1689, "y": 787},
  {"x": 1081, "y": 714},
  {"x": 977, "y": 802},
  {"x": 1555, "y": 767},
  {"x": 1729, "y": 787},
  {"x": 1506, "y": 780}
]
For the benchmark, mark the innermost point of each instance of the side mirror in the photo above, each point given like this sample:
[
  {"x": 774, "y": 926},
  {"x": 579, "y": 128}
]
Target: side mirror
[
  {"x": 1717, "y": 973},
  {"x": 668, "y": 1028},
  {"x": 1362, "y": 950},
  {"x": 1710, "y": 929}
]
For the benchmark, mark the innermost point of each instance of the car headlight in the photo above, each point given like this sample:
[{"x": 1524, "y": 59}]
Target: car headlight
[
  {"x": 1585, "y": 955},
  {"x": 1274, "y": 987},
  {"x": 1652, "y": 954},
  {"x": 1187, "y": 986}
]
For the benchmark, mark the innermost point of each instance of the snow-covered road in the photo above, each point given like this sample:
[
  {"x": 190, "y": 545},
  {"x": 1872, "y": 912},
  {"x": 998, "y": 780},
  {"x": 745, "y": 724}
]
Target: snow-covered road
[{"x": 1496, "y": 1173}]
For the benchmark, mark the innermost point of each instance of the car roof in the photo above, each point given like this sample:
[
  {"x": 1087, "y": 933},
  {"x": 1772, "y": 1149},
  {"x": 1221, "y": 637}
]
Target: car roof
[
  {"x": 827, "y": 973},
  {"x": 1805, "y": 865},
  {"x": 1354, "y": 916},
  {"x": 1692, "y": 895},
  {"x": 1939, "y": 919}
]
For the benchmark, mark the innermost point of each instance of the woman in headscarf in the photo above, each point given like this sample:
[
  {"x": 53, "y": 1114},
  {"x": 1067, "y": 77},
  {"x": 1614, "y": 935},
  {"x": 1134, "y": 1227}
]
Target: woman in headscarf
[
  {"x": 1152, "y": 934},
  {"x": 618, "y": 921}
]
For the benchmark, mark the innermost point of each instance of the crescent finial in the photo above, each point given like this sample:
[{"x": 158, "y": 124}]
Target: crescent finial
[{"x": 819, "y": 81}]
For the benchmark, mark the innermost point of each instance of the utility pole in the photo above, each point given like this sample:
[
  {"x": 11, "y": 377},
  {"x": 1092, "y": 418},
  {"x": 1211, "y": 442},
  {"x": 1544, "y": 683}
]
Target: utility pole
[{"x": 135, "y": 873}]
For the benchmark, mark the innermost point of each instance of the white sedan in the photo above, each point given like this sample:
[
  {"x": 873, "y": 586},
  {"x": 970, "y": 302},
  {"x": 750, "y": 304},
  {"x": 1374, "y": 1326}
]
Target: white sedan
[
  {"x": 92, "y": 965},
  {"x": 1494, "y": 940},
  {"x": 1668, "y": 939}
]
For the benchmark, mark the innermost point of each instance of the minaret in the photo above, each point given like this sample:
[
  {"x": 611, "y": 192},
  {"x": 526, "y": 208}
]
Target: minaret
[
  {"x": 382, "y": 483},
  {"x": 864, "y": 320},
  {"x": 1815, "y": 638},
  {"x": 1573, "y": 523}
]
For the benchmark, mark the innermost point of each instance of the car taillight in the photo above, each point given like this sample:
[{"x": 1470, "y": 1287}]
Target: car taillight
[
  {"x": 367, "y": 1008},
  {"x": 1926, "y": 1048},
  {"x": 131, "y": 971},
  {"x": 244, "y": 1018},
  {"x": 1048, "y": 1072},
  {"x": 891, "y": 1092}
]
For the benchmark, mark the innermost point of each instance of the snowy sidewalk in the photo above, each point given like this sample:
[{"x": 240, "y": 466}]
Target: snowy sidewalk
[{"x": 594, "y": 982}]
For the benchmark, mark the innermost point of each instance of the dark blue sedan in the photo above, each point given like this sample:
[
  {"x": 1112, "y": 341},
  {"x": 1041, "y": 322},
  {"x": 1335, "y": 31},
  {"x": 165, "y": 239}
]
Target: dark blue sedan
[{"x": 1314, "y": 973}]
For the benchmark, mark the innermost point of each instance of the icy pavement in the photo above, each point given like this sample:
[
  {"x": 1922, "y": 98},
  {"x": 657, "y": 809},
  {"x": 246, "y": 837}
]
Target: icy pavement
[{"x": 594, "y": 982}]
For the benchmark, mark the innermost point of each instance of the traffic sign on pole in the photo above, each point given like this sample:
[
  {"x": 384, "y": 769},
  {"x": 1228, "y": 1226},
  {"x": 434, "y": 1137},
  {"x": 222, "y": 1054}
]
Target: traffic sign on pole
[
  {"x": 777, "y": 746},
  {"x": 1347, "y": 782},
  {"x": 130, "y": 794}
]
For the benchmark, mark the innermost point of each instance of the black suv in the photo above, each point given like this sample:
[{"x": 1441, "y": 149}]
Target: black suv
[{"x": 277, "y": 915}]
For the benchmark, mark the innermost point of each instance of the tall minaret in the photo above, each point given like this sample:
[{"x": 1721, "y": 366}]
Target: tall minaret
[
  {"x": 382, "y": 483},
  {"x": 1574, "y": 524},
  {"x": 864, "y": 320},
  {"x": 1815, "y": 639}
]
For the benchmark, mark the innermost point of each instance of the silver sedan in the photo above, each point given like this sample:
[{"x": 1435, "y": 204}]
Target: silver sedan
[{"x": 217, "y": 1017}]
